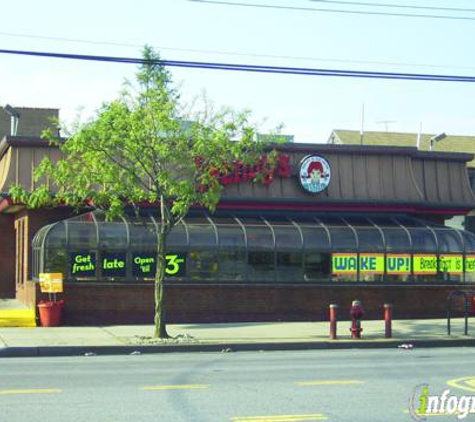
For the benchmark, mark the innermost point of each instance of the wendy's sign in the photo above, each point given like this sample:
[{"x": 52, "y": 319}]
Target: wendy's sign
[
  {"x": 243, "y": 173},
  {"x": 314, "y": 173},
  {"x": 265, "y": 171}
]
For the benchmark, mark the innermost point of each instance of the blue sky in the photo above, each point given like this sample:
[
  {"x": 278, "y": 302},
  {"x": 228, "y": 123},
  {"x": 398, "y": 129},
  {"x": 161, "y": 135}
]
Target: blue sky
[{"x": 308, "y": 106}]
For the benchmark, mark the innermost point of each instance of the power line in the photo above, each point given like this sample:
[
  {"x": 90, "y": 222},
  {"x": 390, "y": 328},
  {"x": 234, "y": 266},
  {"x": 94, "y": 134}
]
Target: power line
[
  {"x": 76, "y": 40},
  {"x": 312, "y": 9},
  {"x": 251, "y": 68},
  {"x": 400, "y": 6},
  {"x": 235, "y": 53}
]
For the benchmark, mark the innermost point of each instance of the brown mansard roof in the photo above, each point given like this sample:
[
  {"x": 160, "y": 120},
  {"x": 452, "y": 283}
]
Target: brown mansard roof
[
  {"x": 364, "y": 178},
  {"x": 452, "y": 143}
]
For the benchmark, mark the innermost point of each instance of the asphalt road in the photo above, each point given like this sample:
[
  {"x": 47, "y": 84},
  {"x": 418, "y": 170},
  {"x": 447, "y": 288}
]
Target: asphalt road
[{"x": 338, "y": 385}]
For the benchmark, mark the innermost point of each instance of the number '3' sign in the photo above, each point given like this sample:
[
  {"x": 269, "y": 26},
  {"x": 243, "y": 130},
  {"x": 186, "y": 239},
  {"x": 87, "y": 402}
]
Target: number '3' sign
[{"x": 174, "y": 264}]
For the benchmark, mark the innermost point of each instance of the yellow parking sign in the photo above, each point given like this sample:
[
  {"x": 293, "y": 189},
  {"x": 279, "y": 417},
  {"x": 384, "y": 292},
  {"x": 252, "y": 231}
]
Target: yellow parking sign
[{"x": 51, "y": 282}]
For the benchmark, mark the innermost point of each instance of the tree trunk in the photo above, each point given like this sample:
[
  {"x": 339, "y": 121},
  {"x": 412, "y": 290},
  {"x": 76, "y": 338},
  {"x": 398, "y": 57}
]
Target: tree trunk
[{"x": 159, "y": 319}]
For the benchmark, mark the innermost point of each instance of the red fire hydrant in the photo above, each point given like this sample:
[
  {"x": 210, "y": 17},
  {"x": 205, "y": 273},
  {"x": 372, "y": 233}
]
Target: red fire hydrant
[{"x": 356, "y": 313}]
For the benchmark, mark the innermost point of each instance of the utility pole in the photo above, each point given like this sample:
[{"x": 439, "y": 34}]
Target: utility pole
[{"x": 362, "y": 125}]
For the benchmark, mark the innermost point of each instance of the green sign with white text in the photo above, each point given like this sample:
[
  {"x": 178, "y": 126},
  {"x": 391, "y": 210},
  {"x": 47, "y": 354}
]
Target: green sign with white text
[
  {"x": 113, "y": 264},
  {"x": 83, "y": 264},
  {"x": 144, "y": 265}
]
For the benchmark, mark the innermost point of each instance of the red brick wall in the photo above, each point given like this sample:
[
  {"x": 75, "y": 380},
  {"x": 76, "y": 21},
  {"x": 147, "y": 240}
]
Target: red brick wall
[
  {"x": 92, "y": 304},
  {"x": 7, "y": 257}
]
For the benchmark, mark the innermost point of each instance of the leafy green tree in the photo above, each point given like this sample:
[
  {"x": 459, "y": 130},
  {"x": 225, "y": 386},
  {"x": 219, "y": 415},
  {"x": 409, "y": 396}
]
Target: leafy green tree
[{"x": 145, "y": 147}]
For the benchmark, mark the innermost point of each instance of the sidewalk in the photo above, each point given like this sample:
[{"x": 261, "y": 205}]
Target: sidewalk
[{"x": 63, "y": 341}]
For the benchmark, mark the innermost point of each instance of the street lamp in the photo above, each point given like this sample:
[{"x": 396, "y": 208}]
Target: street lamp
[
  {"x": 14, "y": 118},
  {"x": 436, "y": 138}
]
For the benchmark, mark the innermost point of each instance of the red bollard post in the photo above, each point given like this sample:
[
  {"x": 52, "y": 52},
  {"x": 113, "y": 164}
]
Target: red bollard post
[
  {"x": 388, "y": 319},
  {"x": 333, "y": 320}
]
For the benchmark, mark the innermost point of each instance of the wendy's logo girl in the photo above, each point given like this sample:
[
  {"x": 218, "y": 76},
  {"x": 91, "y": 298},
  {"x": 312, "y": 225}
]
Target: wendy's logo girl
[{"x": 314, "y": 173}]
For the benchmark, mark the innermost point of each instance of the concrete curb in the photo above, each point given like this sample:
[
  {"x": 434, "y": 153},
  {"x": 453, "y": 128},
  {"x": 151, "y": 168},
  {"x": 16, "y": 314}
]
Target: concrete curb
[{"x": 54, "y": 351}]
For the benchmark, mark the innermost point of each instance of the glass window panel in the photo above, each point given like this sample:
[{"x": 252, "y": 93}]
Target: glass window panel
[
  {"x": 469, "y": 240},
  {"x": 56, "y": 261},
  {"x": 261, "y": 266},
  {"x": 343, "y": 239},
  {"x": 289, "y": 266},
  {"x": 426, "y": 279},
  {"x": 232, "y": 254},
  {"x": 197, "y": 219},
  {"x": 449, "y": 278},
  {"x": 397, "y": 278},
  {"x": 358, "y": 221},
  {"x": 232, "y": 265},
  {"x": 422, "y": 240},
  {"x": 382, "y": 221},
  {"x": 177, "y": 237},
  {"x": 202, "y": 265},
  {"x": 397, "y": 239},
  {"x": 344, "y": 277},
  {"x": 231, "y": 236},
  {"x": 317, "y": 267},
  {"x": 287, "y": 237},
  {"x": 315, "y": 238},
  {"x": 113, "y": 235},
  {"x": 143, "y": 234},
  {"x": 305, "y": 221},
  {"x": 226, "y": 221},
  {"x": 330, "y": 220},
  {"x": 252, "y": 221},
  {"x": 449, "y": 241},
  {"x": 259, "y": 236},
  {"x": 38, "y": 236},
  {"x": 56, "y": 236},
  {"x": 369, "y": 239},
  {"x": 82, "y": 235},
  {"x": 367, "y": 277},
  {"x": 201, "y": 235},
  {"x": 409, "y": 222},
  {"x": 37, "y": 254}
]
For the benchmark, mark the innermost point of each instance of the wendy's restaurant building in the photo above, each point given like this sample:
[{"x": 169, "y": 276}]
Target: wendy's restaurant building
[{"x": 330, "y": 224}]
